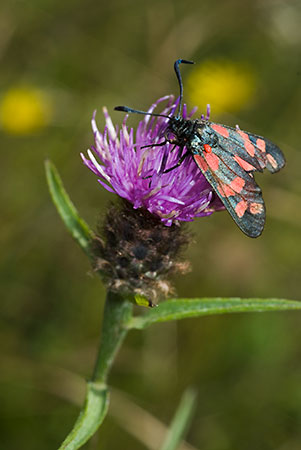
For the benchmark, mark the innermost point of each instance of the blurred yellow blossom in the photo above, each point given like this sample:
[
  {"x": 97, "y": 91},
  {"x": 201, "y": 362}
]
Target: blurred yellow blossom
[
  {"x": 23, "y": 110},
  {"x": 226, "y": 85}
]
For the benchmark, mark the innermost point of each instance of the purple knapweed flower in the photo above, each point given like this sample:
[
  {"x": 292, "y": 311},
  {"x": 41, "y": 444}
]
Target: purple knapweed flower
[{"x": 126, "y": 168}]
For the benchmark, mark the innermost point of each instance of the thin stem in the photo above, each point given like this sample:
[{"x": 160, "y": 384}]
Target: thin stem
[
  {"x": 117, "y": 313},
  {"x": 181, "y": 420}
]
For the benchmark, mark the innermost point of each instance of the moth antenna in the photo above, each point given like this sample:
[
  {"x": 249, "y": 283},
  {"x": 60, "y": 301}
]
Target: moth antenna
[
  {"x": 136, "y": 111},
  {"x": 178, "y": 74}
]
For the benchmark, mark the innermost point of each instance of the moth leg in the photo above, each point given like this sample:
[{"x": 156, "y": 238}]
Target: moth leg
[
  {"x": 164, "y": 159},
  {"x": 160, "y": 144},
  {"x": 178, "y": 163},
  {"x": 162, "y": 166},
  {"x": 163, "y": 162}
]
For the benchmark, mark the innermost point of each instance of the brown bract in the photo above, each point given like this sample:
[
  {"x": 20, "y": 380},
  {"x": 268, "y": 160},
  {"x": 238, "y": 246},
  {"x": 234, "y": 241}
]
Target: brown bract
[{"x": 136, "y": 252}]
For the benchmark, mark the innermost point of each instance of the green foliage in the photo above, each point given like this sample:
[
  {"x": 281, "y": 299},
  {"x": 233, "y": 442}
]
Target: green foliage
[
  {"x": 184, "y": 308},
  {"x": 181, "y": 420},
  {"x": 247, "y": 367},
  {"x": 118, "y": 320},
  {"x": 77, "y": 227},
  {"x": 93, "y": 413}
]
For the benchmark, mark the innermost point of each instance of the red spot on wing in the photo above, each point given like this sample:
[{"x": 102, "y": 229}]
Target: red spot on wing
[
  {"x": 247, "y": 143},
  {"x": 237, "y": 184},
  {"x": 272, "y": 161},
  {"x": 225, "y": 190},
  {"x": 244, "y": 164},
  {"x": 207, "y": 148},
  {"x": 235, "y": 187},
  {"x": 261, "y": 144},
  {"x": 220, "y": 130},
  {"x": 241, "y": 207},
  {"x": 201, "y": 162},
  {"x": 212, "y": 160},
  {"x": 256, "y": 208},
  {"x": 220, "y": 190}
]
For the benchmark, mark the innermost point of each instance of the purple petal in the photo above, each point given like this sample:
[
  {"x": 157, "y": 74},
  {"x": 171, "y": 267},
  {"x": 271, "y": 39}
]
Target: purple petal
[{"x": 121, "y": 166}]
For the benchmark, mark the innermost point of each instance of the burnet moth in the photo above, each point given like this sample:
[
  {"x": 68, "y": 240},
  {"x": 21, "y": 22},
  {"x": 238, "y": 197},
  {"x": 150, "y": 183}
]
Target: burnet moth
[{"x": 227, "y": 157}]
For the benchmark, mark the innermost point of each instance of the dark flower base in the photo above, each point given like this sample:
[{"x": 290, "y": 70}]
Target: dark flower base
[{"x": 135, "y": 252}]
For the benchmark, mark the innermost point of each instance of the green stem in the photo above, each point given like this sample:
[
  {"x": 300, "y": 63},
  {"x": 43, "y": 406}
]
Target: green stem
[
  {"x": 117, "y": 313},
  {"x": 91, "y": 416}
]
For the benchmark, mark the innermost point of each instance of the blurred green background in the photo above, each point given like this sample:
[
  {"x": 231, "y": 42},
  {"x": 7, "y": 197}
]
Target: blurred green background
[{"x": 59, "y": 62}]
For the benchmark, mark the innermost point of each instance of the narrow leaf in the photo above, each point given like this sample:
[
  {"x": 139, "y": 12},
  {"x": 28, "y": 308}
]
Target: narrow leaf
[
  {"x": 180, "y": 421},
  {"x": 94, "y": 412},
  {"x": 78, "y": 228},
  {"x": 182, "y": 308}
]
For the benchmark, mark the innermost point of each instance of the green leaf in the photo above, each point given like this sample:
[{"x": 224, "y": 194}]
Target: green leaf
[
  {"x": 180, "y": 421},
  {"x": 78, "y": 228},
  {"x": 94, "y": 412},
  {"x": 182, "y": 308}
]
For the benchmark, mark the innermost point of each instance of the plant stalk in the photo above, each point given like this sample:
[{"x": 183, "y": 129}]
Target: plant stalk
[{"x": 117, "y": 313}]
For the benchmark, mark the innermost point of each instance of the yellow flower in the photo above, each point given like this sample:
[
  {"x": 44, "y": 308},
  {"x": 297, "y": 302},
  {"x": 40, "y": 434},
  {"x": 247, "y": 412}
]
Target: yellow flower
[
  {"x": 225, "y": 85},
  {"x": 23, "y": 110}
]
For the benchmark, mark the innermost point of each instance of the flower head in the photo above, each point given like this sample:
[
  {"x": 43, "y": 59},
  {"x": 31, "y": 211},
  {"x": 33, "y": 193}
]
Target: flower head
[{"x": 133, "y": 172}]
